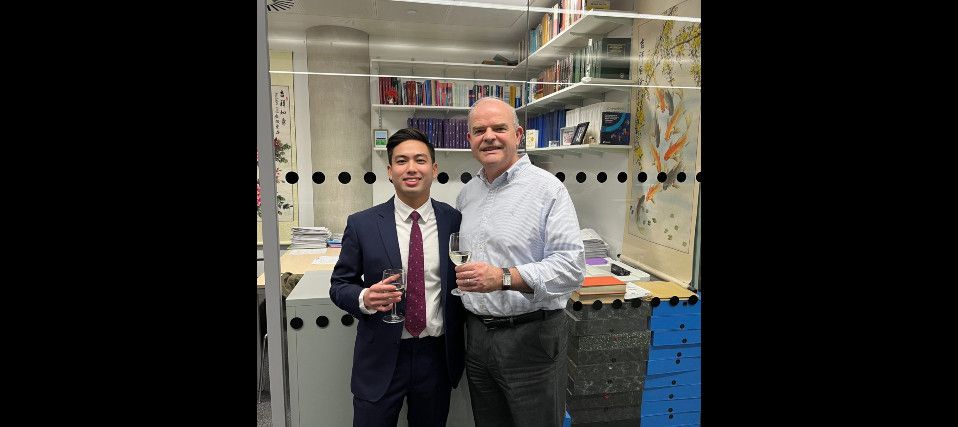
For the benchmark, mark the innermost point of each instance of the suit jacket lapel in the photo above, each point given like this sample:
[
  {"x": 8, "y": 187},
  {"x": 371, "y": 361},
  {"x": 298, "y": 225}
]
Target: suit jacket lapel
[
  {"x": 387, "y": 232},
  {"x": 444, "y": 227}
]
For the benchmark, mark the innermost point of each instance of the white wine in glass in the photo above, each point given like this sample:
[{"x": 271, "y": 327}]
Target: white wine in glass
[
  {"x": 459, "y": 255},
  {"x": 400, "y": 284}
]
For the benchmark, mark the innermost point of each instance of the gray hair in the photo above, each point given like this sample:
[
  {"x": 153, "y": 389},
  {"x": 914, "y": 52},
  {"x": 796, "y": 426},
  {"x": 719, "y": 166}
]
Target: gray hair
[{"x": 515, "y": 117}]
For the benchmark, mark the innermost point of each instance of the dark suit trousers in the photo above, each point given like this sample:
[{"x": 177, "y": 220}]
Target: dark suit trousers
[
  {"x": 422, "y": 378},
  {"x": 517, "y": 375}
]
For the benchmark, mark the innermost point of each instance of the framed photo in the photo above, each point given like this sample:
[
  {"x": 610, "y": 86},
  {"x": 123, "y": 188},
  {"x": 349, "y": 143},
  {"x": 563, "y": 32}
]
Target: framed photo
[
  {"x": 566, "y": 135},
  {"x": 580, "y": 133}
]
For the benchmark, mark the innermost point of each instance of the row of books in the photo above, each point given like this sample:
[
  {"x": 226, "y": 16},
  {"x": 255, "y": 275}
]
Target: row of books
[
  {"x": 393, "y": 90},
  {"x": 548, "y": 127},
  {"x": 442, "y": 133},
  {"x": 607, "y": 58},
  {"x": 564, "y": 13}
]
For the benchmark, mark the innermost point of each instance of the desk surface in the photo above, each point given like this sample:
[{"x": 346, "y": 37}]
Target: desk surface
[{"x": 300, "y": 264}]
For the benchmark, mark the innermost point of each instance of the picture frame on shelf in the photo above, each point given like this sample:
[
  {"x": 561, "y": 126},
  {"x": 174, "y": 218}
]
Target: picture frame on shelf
[
  {"x": 566, "y": 135},
  {"x": 580, "y": 130}
]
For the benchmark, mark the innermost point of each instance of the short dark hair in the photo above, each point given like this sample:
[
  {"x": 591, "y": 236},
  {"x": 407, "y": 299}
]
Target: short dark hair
[{"x": 404, "y": 135}]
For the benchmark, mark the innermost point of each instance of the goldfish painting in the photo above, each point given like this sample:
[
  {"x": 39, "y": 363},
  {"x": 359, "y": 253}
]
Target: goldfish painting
[
  {"x": 650, "y": 196},
  {"x": 674, "y": 148},
  {"x": 661, "y": 95},
  {"x": 671, "y": 126},
  {"x": 671, "y": 176},
  {"x": 655, "y": 155}
]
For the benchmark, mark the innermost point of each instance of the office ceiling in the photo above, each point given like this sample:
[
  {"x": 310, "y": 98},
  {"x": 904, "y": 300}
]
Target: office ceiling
[{"x": 401, "y": 20}]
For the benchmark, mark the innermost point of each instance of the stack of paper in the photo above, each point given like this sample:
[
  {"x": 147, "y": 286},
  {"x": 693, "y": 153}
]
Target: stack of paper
[
  {"x": 595, "y": 247},
  {"x": 309, "y": 237}
]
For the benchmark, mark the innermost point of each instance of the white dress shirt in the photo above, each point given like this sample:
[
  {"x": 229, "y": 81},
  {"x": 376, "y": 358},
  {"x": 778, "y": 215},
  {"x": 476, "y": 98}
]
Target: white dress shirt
[
  {"x": 430, "y": 247},
  {"x": 524, "y": 219}
]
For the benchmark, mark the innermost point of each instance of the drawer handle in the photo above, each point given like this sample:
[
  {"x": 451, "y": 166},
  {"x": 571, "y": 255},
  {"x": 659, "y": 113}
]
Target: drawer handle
[
  {"x": 656, "y": 301},
  {"x": 684, "y": 340},
  {"x": 671, "y": 415},
  {"x": 576, "y": 306},
  {"x": 670, "y": 410},
  {"x": 296, "y": 323},
  {"x": 682, "y": 326},
  {"x": 677, "y": 361},
  {"x": 674, "y": 301},
  {"x": 597, "y": 305},
  {"x": 693, "y": 299},
  {"x": 617, "y": 303},
  {"x": 637, "y": 302},
  {"x": 671, "y": 396},
  {"x": 673, "y": 382},
  {"x": 679, "y": 354},
  {"x": 322, "y": 321}
]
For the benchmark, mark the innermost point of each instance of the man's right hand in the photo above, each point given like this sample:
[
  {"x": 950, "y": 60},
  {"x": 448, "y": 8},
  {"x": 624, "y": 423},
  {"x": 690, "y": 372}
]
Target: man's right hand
[{"x": 382, "y": 295}]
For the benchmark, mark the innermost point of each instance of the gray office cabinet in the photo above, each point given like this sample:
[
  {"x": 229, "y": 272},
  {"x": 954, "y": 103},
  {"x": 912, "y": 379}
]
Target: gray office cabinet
[{"x": 320, "y": 342}]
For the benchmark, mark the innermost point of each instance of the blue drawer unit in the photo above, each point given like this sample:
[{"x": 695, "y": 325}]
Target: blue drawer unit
[
  {"x": 676, "y": 419},
  {"x": 670, "y": 351},
  {"x": 673, "y": 385},
  {"x": 673, "y": 379},
  {"x": 660, "y": 338},
  {"x": 689, "y": 321},
  {"x": 678, "y": 364},
  {"x": 683, "y": 308},
  {"x": 672, "y": 393},
  {"x": 658, "y": 407}
]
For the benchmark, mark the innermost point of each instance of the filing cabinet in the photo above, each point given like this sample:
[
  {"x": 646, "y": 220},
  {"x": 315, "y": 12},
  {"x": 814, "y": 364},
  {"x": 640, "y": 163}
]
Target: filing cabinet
[{"x": 320, "y": 341}]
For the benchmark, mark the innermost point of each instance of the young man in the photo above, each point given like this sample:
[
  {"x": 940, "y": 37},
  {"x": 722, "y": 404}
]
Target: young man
[
  {"x": 420, "y": 359},
  {"x": 527, "y": 257}
]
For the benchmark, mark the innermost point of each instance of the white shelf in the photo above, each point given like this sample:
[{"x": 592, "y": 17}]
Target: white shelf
[
  {"x": 444, "y": 65},
  {"x": 596, "y": 149},
  {"x": 445, "y": 150},
  {"x": 574, "y": 37},
  {"x": 587, "y": 88},
  {"x": 398, "y": 107}
]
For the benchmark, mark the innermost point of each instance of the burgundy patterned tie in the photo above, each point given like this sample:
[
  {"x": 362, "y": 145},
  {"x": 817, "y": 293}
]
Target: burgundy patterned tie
[{"x": 415, "y": 281}]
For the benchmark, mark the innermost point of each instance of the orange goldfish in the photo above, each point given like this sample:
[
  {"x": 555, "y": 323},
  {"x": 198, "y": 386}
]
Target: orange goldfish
[
  {"x": 655, "y": 155},
  {"x": 658, "y": 92},
  {"x": 674, "y": 148},
  {"x": 652, "y": 190},
  {"x": 671, "y": 126}
]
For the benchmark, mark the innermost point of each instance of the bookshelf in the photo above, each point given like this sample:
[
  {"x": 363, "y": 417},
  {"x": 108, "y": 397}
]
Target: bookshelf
[
  {"x": 574, "y": 37},
  {"x": 579, "y": 150},
  {"x": 395, "y": 107},
  {"x": 438, "y": 150},
  {"x": 438, "y": 66},
  {"x": 588, "y": 88}
]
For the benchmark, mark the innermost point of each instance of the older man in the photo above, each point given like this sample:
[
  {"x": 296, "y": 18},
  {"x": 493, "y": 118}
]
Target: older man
[{"x": 527, "y": 257}]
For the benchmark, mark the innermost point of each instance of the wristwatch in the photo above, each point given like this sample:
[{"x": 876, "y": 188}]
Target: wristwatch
[{"x": 506, "y": 279}]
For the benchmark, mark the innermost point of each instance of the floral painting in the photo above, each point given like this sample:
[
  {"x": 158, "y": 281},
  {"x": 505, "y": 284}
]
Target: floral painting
[{"x": 283, "y": 151}]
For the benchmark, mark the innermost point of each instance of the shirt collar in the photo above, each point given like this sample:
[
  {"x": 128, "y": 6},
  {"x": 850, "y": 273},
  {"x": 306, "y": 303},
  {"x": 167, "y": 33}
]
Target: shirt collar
[
  {"x": 510, "y": 173},
  {"x": 403, "y": 210}
]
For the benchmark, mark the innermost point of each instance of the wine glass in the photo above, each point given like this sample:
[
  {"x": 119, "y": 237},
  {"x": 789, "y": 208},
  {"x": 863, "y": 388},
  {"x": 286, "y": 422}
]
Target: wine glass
[
  {"x": 459, "y": 255},
  {"x": 400, "y": 284}
]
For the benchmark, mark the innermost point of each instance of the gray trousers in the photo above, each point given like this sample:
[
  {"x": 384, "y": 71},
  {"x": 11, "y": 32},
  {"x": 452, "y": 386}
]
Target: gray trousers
[{"x": 517, "y": 375}]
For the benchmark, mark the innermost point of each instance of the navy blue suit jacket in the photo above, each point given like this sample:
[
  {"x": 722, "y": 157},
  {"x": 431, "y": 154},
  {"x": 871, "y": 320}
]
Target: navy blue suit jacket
[{"x": 370, "y": 245}]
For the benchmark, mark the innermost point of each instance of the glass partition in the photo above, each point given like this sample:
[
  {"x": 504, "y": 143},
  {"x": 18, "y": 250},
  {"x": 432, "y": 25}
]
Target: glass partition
[{"x": 608, "y": 94}]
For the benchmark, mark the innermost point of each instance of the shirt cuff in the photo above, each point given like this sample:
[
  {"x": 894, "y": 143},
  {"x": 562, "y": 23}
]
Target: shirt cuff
[{"x": 362, "y": 306}]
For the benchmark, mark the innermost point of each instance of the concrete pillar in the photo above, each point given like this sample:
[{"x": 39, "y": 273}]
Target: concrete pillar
[{"x": 339, "y": 114}]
